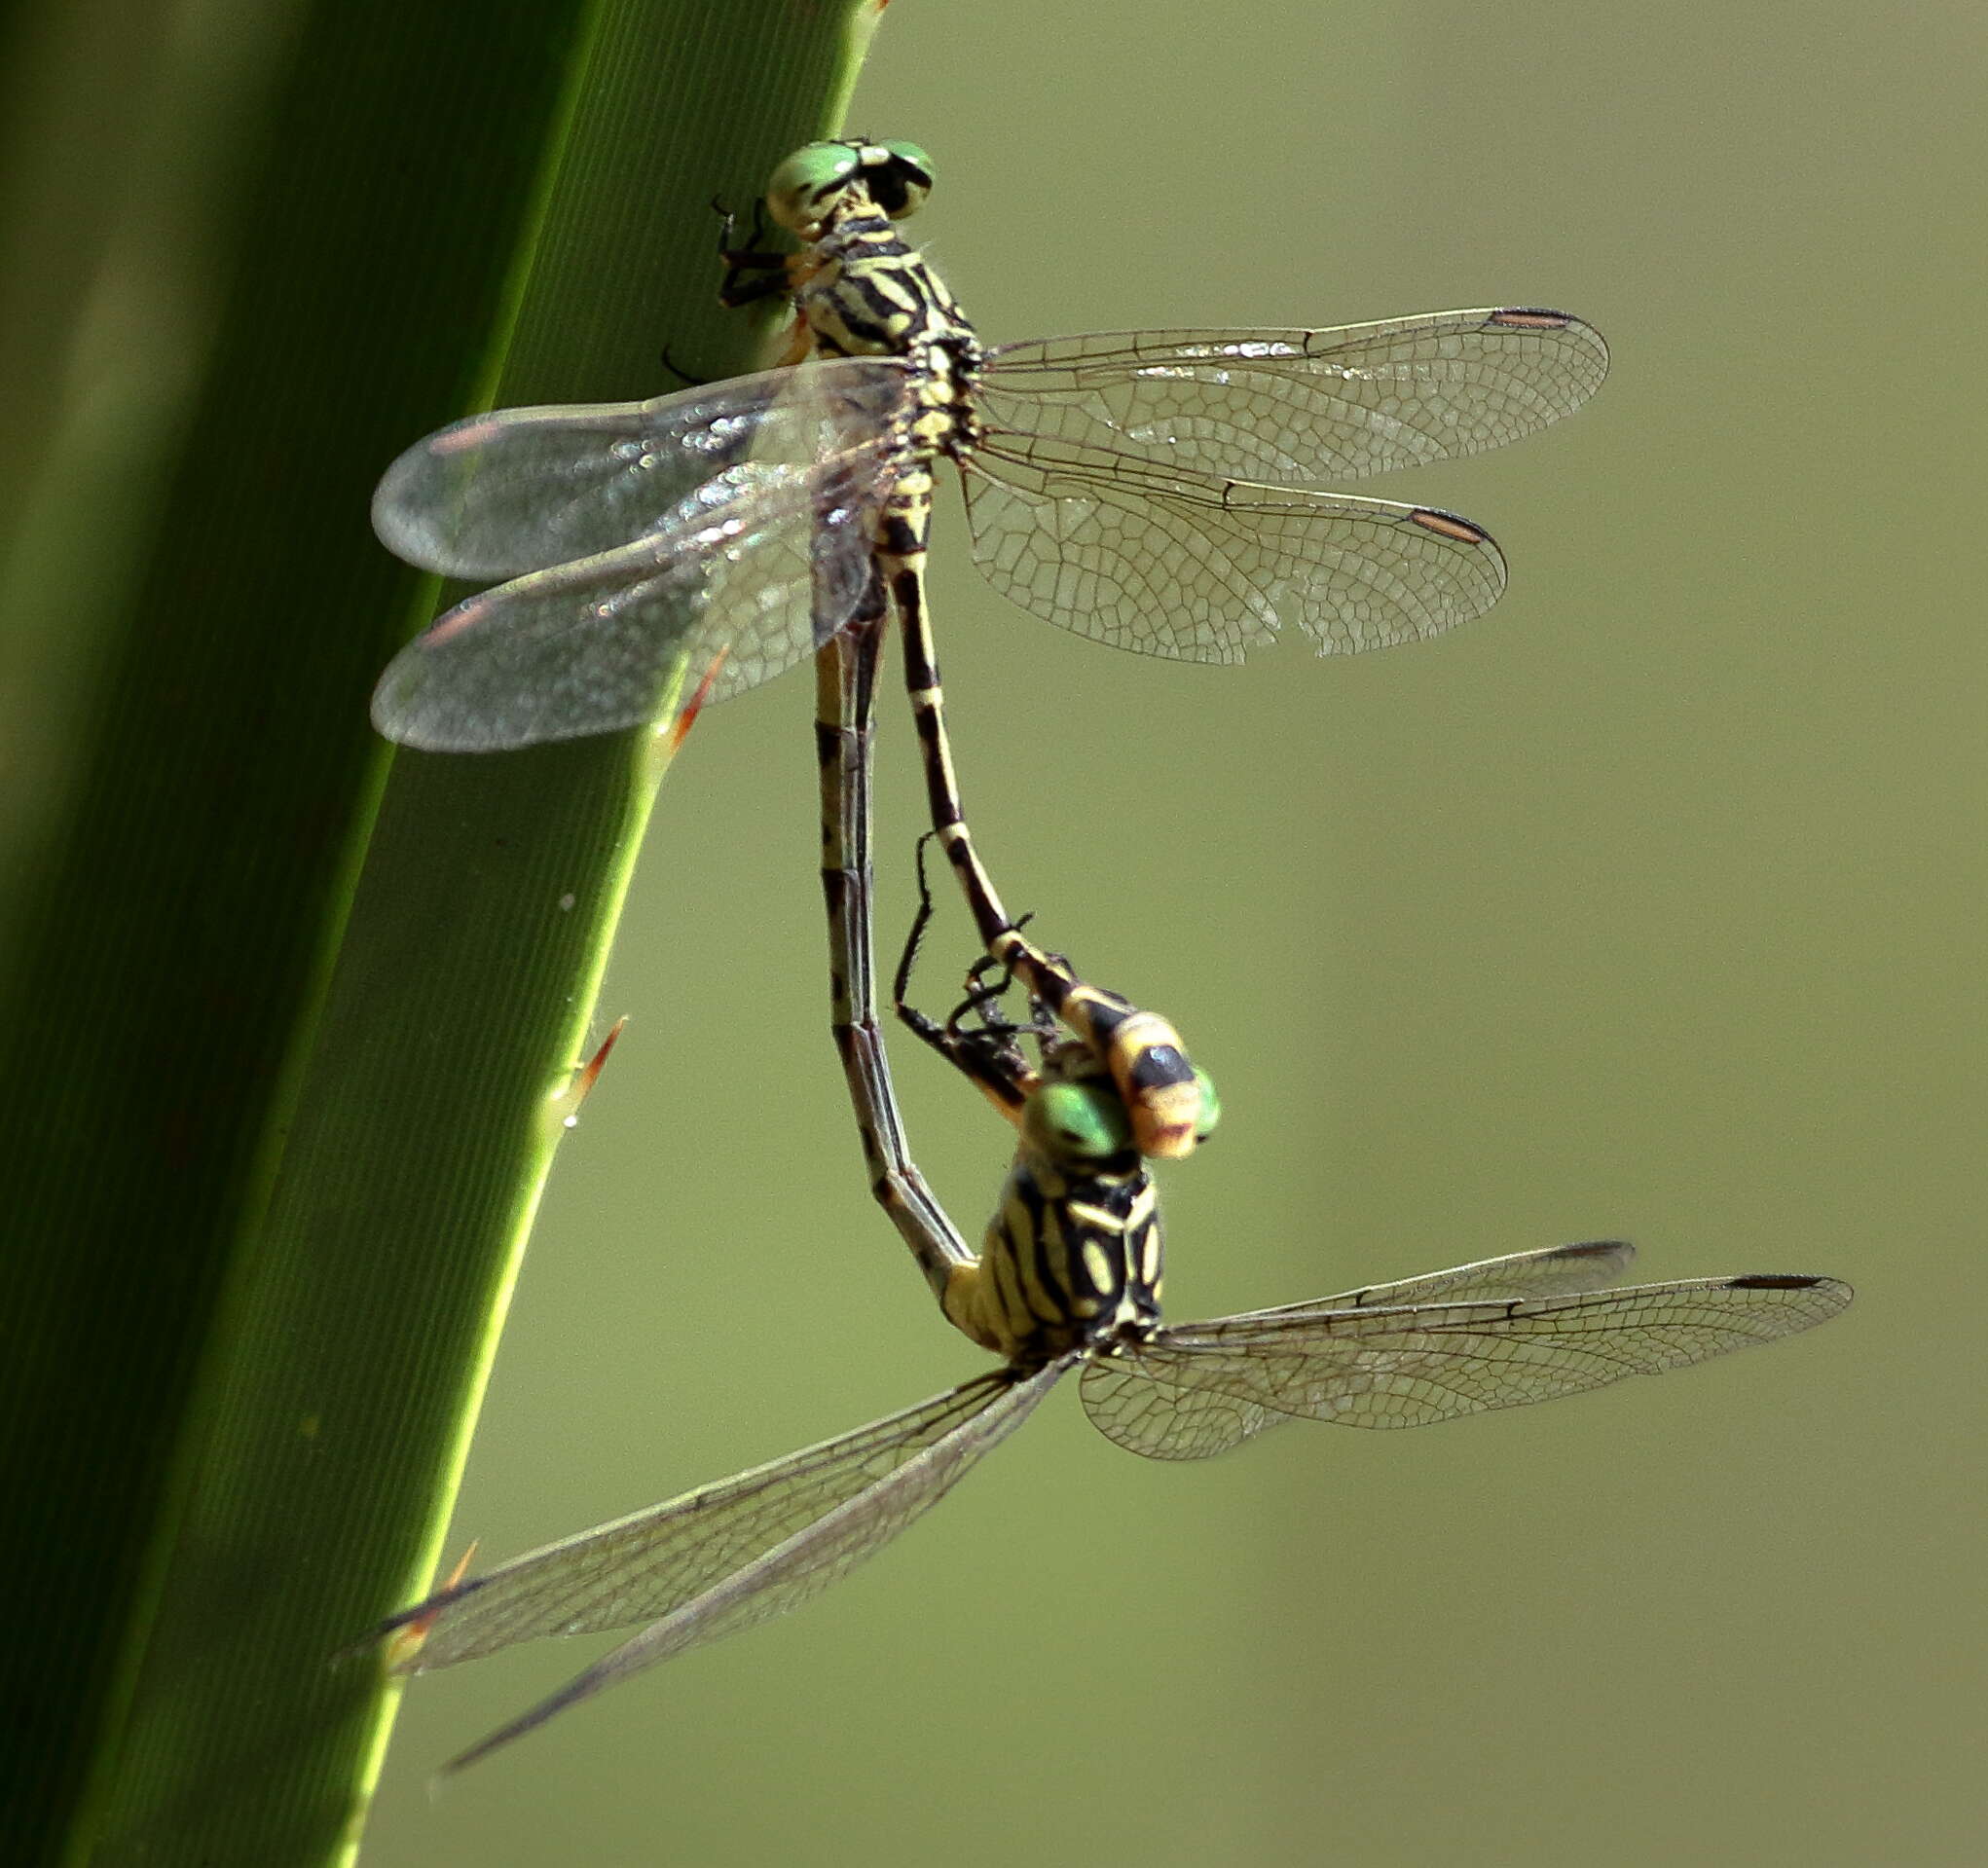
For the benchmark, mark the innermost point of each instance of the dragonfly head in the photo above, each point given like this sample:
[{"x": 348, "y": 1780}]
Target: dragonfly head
[
  {"x": 807, "y": 186},
  {"x": 1074, "y": 1115},
  {"x": 1078, "y": 1116},
  {"x": 1078, "y": 1124}
]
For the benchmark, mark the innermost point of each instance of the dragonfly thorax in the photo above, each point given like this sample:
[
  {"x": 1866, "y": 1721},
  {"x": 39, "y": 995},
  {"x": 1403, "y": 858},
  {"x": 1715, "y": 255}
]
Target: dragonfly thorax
[
  {"x": 1072, "y": 1257},
  {"x": 862, "y": 292}
]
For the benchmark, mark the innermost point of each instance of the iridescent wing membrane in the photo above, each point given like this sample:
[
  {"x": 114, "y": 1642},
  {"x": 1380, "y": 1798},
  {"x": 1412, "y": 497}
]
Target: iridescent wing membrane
[
  {"x": 1303, "y": 406},
  {"x": 1106, "y": 501},
  {"x": 728, "y": 1554},
  {"x": 1500, "y": 1334},
  {"x": 1102, "y": 495},
  {"x": 637, "y": 536}
]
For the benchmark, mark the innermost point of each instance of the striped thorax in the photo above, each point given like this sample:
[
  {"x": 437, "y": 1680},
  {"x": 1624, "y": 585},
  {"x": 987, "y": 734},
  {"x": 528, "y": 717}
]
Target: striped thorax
[
  {"x": 1072, "y": 1257},
  {"x": 862, "y": 292}
]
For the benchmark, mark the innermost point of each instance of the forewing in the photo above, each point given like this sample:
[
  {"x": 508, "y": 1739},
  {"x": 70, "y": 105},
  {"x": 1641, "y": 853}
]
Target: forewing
[
  {"x": 755, "y": 566},
  {"x": 1555, "y": 1270},
  {"x": 1304, "y": 406},
  {"x": 652, "y": 1562},
  {"x": 1132, "y": 1404},
  {"x": 495, "y": 495},
  {"x": 761, "y": 1577},
  {"x": 1406, "y": 1366},
  {"x": 1158, "y": 557}
]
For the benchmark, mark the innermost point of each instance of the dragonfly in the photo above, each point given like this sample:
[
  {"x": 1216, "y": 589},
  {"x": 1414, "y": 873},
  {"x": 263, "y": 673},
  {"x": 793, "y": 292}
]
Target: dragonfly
[
  {"x": 1143, "y": 489},
  {"x": 1068, "y": 1281}
]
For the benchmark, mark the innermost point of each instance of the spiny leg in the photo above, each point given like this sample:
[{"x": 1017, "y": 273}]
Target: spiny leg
[
  {"x": 986, "y": 1054},
  {"x": 754, "y": 271},
  {"x": 845, "y": 683}
]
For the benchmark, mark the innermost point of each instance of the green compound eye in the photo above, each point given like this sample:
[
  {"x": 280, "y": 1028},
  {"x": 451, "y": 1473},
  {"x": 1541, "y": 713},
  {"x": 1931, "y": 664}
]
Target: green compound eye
[
  {"x": 803, "y": 184},
  {"x": 1078, "y": 1122},
  {"x": 1211, "y": 1104},
  {"x": 900, "y": 185}
]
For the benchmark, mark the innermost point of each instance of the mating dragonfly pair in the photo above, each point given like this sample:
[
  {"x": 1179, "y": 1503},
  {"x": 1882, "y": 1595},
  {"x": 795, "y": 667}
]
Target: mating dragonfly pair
[{"x": 732, "y": 530}]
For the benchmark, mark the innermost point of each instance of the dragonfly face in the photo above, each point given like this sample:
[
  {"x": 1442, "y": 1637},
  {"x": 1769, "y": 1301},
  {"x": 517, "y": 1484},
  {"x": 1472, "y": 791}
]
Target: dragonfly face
[{"x": 809, "y": 183}]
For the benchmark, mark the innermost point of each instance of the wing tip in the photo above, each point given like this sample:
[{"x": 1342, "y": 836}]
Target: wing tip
[
  {"x": 1835, "y": 1289},
  {"x": 1549, "y": 318},
  {"x": 1453, "y": 525},
  {"x": 1612, "y": 1251}
]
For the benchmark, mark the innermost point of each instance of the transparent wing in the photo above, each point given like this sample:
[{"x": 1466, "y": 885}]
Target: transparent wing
[
  {"x": 1134, "y": 1400},
  {"x": 496, "y": 495},
  {"x": 1203, "y": 1386},
  {"x": 1553, "y": 1271},
  {"x": 742, "y": 1552},
  {"x": 1304, "y": 406},
  {"x": 758, "y": 565},
  {"x": 1165, "y": 1421},
  {"x": 651, "y": 1562},
  {"x": 1160, "y": 558}
]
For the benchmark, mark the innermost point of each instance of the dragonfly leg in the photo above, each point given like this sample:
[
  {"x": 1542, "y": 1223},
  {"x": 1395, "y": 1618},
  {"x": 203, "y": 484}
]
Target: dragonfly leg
[
  {"x": 845, "y": 678},
  {"x": 751, "y": 271},
  {"x": 986, "y": 1054},
  {"x": 677, "y": 370}
]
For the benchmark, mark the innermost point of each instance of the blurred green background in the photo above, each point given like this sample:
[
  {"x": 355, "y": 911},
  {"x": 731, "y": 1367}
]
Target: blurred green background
[{"x": 1644, "y": 907}]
